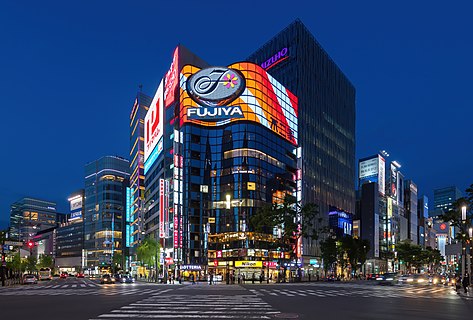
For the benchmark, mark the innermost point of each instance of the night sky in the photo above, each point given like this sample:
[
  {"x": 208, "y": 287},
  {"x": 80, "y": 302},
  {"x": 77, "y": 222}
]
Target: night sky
[{"x": 69, "y": 74}]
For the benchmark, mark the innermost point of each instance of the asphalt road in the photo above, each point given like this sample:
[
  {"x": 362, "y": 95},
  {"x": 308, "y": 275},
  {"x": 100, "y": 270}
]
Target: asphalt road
[{"x": 86, "y": 299}]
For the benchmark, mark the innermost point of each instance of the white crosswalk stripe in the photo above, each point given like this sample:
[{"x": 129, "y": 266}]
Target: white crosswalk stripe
[
  {"x": 365, "y": 291},
  {"x": 172, "y": 306}
]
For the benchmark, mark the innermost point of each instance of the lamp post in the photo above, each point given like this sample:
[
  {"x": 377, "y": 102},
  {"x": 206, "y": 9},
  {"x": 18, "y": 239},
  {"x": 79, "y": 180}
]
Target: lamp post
[
  {"x": 227, "y": 205},
  {"x": 463, "y": 211}
]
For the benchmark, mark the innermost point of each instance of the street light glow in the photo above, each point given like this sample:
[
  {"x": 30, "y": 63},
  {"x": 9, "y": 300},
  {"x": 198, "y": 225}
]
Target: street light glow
[{"x": 463, "y": 213}]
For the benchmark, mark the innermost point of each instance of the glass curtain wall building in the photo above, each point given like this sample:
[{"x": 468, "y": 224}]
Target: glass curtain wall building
[
  {"x": 106, "y": 180},
  {"x": 326, "y": 118},
  {"x": 210, "y": 166},
  {"x": 29, "y": 216}
]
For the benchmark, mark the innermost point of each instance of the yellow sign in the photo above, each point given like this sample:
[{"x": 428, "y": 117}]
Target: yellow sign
[
  {"x": 211, "y": 220},
  {"x": 251, "y": 186},
  {"x": 390, "y": 207},
  {"x": 249, "y": 264}
]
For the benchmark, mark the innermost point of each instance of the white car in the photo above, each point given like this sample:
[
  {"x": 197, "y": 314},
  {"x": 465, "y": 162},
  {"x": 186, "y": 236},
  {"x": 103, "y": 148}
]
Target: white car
[{"x": 29, "y": 279}]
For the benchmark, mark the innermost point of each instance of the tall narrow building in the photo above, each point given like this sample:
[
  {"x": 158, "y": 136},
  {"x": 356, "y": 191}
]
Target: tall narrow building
[
  {"x": 106, "y": 180},
  {"x": 134, "y": 226}
]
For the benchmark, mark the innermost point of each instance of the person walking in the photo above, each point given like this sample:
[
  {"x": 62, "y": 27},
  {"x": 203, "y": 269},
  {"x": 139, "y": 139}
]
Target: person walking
[
  {"x": 466, "y": 282},
  {"x": 211, "y": 278}
]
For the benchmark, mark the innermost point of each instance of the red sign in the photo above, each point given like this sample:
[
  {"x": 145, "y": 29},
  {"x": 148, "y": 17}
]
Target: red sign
[
  {"x": 162, "y": 233},
  {"x": 169, "y": 260},
  {"x": 443, "y": 226},
  {"x": 219, "y": 253},
  {"x": 215, "y": 263},
  {"x": 270, "y": 264},
  {"x": 171, "y": 80},
  {"x": 176, "y": 228}
]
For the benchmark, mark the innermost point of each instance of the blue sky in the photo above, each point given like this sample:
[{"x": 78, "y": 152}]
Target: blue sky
[{"x": 69, "y": 73}]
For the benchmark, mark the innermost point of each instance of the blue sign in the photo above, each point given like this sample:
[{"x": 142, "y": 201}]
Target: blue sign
[{"x": 154, "y": 155}]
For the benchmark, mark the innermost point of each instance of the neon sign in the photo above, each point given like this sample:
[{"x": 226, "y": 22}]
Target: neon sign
[{"x": 274, "y": 60}]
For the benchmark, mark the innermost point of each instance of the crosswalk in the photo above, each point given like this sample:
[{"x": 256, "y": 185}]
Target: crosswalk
[
  {"x": 363, "y": 292},
  {"x": 206, "y": 306}
]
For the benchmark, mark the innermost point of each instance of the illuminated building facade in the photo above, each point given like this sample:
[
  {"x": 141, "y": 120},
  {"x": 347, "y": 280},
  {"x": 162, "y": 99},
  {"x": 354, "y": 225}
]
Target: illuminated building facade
[
  {"x": 224, "y": 151},
  {"x": 106, "y": 180},
  {"x": 29, "y": 216},
  {"x": 134, "y": 226}
]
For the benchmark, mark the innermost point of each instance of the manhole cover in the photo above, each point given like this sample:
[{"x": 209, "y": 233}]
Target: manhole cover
[{"x": 286, "y": 316}]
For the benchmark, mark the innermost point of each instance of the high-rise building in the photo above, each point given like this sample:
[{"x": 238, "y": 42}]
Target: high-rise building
[
  {"x": 410, "y": 206},
  {"x": 326, "y": 117},
  {"x": 422, "y": 218},
  {"x": 134, "y": 226},
  {"x": 221, "y": 142},
  {"x": 29, "y": 216},
  {"x": 444, "y": 198},
  {"x": 106, "y": 180}
]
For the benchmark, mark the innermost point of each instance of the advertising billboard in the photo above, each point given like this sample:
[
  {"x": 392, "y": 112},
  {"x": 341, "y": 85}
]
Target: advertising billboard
[
  {"x": 171, "y": 80},
  {"x": 154, "y": 122},
  {"x": 243, "y": 91},
  {"x": 368, "y": 168},
  {"x": 381, "y": 175},
  {"x": 75, "y": 208},
  {"x": 393, "y": 182}
]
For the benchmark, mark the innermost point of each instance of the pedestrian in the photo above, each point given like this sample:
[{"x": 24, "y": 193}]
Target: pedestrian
[
  {"x": 458, "y": 284},
  {"x": 211, "y": 278},
  {"x": 253, "y": 278},
  {"x": 466, "y": 282}
]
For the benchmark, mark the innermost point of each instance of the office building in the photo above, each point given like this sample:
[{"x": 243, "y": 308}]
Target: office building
[
  {"x": 70, "y": 236},
  {"x": 106, "y": 180},
  {"x": 29, "y": 216}
]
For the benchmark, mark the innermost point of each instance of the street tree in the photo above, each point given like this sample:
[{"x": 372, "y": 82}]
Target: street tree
[
  {"x": 31, "y": 263},
  {"x": 148, "y": 253},
  {"x": 291, "y": 218},
  {"x": 46, "y": 261},
  {"x": 329, "y": 254}
]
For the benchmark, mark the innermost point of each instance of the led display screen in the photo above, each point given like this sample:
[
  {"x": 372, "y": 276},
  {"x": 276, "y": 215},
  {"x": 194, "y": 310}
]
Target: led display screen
[
  {"x": 260, "y": 98},
  {"x": 154, "y": 122}
]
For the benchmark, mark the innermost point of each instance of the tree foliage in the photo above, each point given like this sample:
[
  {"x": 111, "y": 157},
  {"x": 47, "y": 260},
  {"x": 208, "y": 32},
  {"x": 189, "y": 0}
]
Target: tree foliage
[
  {"x": 46, "y": 261},
  {"x": 293, "y": 220},
  {"x": 355, "y": 249},
  {"x": 329, "y": 253},
  {"x": 148, "y": 252},
  {"x": 416, "y": 256}
]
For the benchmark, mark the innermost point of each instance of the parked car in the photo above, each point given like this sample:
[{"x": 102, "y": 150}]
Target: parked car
[
  {"x": 106, "y": 278},
  {"x": 29, "y": 279}
]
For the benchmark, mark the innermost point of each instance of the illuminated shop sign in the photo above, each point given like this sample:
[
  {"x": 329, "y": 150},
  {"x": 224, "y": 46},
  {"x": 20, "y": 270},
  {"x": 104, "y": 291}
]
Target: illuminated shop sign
[
  {"x": 191, "y": 267},
  {"x": 248, "y": 264},
  {"x": 154, "y": 122},
  {"x": 162, "y": 233},
  {"x": 280, "y": 56},
  {"x": 241, "y": 92}
]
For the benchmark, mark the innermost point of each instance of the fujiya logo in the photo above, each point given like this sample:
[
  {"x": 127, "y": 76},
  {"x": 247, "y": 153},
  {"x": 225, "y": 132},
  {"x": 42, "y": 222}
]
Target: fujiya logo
[{"x": 213, "y": 89}]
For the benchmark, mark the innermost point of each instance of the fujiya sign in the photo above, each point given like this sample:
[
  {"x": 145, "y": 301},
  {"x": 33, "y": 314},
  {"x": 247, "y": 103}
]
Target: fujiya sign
[{"x": 213, "y": 89}]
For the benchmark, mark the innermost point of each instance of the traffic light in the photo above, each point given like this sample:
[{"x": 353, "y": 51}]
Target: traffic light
[{"x": 30, "y": 244}]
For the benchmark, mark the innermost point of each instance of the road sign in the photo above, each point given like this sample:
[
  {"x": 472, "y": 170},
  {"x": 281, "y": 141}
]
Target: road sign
[{"x": 14, "y": 243}]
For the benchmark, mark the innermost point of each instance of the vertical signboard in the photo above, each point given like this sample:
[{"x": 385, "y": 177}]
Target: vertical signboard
[
  {"x": 381, "y": 175},
  {"x": 154, "y": 122},
  {"x": 162, "y": 233},
  {"x": 171, "y": 80},
  {"x": 393, "y": 182}
]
